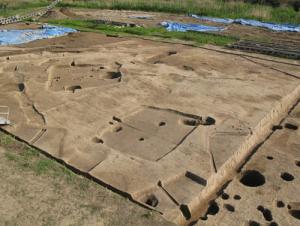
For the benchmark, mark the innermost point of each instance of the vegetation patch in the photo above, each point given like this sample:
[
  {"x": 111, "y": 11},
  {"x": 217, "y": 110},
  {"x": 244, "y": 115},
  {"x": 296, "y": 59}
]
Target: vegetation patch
[
  {"x": 51, "y": 194},
  {"x": 216, "y": 8},
  {"x": 94, "y": 26},
  {"x": 286, "y": 13},
  {"x": 28, "y": 158},
  {"x": 16, "y": 7}
]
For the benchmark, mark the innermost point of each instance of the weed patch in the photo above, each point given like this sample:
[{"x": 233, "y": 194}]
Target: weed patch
[
  {"x": 216, "y": 8},
  {"x": 94, "y": 26},
  {"x": 6, "y": 140},
  {"x": 29, "y": 158}
]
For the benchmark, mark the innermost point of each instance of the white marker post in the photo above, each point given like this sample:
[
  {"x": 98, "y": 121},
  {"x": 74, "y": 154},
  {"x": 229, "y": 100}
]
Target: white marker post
[{"x": 4, "y": 115}]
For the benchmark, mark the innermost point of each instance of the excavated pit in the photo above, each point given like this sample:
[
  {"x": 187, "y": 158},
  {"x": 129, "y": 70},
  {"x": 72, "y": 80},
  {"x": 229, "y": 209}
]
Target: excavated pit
[
  {"x": 168, "y": 135},
  {"x": 275, "y": 202}
]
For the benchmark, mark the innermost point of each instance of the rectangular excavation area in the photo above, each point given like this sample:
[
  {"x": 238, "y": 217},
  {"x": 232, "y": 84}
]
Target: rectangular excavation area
[
  {"x": 152, "y": 120},
  {"x": 77, "y": 76},
  {"x": 151, "y": 133}
]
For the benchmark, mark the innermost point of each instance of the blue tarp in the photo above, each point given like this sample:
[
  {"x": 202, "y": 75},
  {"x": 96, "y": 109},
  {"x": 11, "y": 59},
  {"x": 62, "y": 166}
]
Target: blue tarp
[
  {"x": 174, "y": 26},
  {"x": 145, "y": 17},
  {"x": 255, "y": 23},
  {"x": 271, "y": 26},
  {"x": 13, "y": 37},
  {"x": 213, "y": 19}
]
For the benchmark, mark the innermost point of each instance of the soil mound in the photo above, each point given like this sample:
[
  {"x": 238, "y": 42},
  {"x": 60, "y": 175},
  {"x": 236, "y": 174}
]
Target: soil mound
[
  {"x": 67, "y": 12},
  {"x": 55, "y": 14}
]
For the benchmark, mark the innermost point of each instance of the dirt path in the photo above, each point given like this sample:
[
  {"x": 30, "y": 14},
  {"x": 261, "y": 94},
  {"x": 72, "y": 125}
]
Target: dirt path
[{"x": 35, "y": 190}]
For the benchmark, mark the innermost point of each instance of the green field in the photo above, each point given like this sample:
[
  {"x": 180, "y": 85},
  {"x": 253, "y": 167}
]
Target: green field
[
  {"x": 217, "y": 8},
  {"x": 162, "y": 33}
]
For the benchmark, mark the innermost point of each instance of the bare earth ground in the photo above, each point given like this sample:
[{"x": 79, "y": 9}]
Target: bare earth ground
[
  {"x": 271, "y": 194},
  {"x": 166, "y": 124},
  {"x": 37, "y": 191}
]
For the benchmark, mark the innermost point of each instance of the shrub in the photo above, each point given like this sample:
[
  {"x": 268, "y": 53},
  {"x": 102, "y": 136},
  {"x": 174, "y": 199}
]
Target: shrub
[
  {"x": 296, "y": 5},
  {"x": 3, "y": 6},
  {"x": 274, "y": 3}
]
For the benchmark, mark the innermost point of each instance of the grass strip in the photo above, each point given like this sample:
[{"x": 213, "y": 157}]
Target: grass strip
[
  {"x": 18, "y": 7},
  {"x": 94, "y": 26},
  {"x": 29, "y": 159},
  {"x": 215, "y": 8}
]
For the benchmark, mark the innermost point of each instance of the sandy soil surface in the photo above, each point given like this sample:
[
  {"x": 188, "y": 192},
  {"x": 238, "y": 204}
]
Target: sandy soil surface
[
  {"x": 37, "y": 191},
  {"x": 266, "y": 191},
  {"x": 154, "y": 19},
  {"x": 159, "y": 122},
  {"x": 21, "y": 26}
]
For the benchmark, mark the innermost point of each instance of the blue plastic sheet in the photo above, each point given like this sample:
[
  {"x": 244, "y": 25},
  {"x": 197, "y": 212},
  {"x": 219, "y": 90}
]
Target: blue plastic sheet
[
  {"x": 13, "y": 37},
  {"x": 255, "y": 23},
  {"x": 174, "y": 26},
  {"x": 213, "y": 19},
  {"x": 144, "y": 17},
  {"x": 271, "y": 26}
]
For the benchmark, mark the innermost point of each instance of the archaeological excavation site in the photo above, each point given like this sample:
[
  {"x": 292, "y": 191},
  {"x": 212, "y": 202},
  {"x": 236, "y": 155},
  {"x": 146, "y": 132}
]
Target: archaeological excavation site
[{"x": 198, "y": 134}]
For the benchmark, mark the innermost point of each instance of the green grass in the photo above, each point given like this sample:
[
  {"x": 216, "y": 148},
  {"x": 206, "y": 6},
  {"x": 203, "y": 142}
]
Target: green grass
[
  {"x": 28, "y": 158},
  {"x": 216, "y": 8},
  {"x": 15, "y": 7},
  {"x": 51, "y": 194},
  {"x": 6, "y": 139},
  {"x": 162, "y": 33}
]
